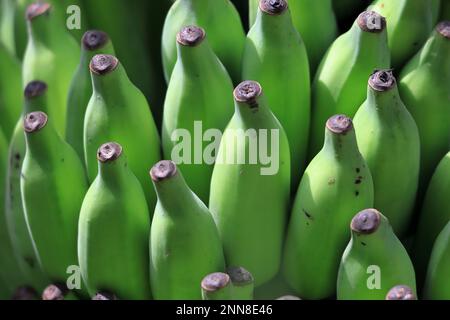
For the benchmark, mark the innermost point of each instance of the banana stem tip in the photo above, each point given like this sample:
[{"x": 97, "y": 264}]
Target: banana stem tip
[
  {"x": 366, "y": 221},
  {"x": 215, "y": 281},
  {"x": 163, "y": 170},
  {"x": 191, "y": 36}
]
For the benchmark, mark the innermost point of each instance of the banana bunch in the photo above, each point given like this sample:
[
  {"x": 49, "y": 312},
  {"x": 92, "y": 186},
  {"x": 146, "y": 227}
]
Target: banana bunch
[{"x": 224, "y": 149}]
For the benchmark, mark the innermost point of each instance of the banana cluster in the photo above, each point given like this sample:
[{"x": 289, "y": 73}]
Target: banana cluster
[{"x": 287, "y": 161}]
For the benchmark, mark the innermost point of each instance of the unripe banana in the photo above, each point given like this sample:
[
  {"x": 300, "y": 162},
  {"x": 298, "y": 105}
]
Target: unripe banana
[
  {"x": 184, "y": 242},
  {"x": 222, "y": 24},
  {"x": 336, "y": 184},
  {"x": 7, "y": 15},
  {"x": 242, "y": 283},
  {"x": 114, "y": 228},
  {"x": 434, "y": 215},
  {"x": 80, "y": 92},
  {"x": 275, "y": 56},
  {"x": 435, "y": 10},
  {"x": 35, "y": 95},
  {"x": 314, "y": 20},
  {"x": 409, "y": 22},
  {"x": 388, "y": 139},
  {"x": 424, "y": 87},
  {"x": 437, "y": 284},
  {"x": 401, "y": 293},
  {"x": 53, "y": 186},
  {"x": 216, "y": 286},
  {"x": 340, "y": 83},
  {"x": 20, "y": 27},
  {"x": 11, "y": 91},
  {"x": 250, "y": 192},
  {"x": 51, "y": 56},
  {"x": 374, "y": 260},
  {"x": 199, "y": 94},
  {"x": 115, "y": 102},
  {"x": 10, "y": 273}
]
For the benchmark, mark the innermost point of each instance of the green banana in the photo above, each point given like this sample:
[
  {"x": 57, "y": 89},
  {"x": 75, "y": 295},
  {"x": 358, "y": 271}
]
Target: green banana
[
  {"x": 424, "y": 88},
  {"x": 51, "y": 55},
  {"x": 35, "y": 94},
  {"x": 409, "y": 22},
  {"x": 434, "y": 215},
  {"x": 80, "y": 92},
  {"x": 436, "y": 11},
  {"x": 115, "y": 101},
  {"x": 216, "y": 286},
  {"x": 340, "y": 83},
  {"x": 51, "y": 208},
  {"x": 251, "y": 221},
  {"x": 222, "y": 24},
  {"x": 10, "y": 272},
  {"x": 198, "y": 98},
  {"x": 114, "y": 228},
  {"x": 374, "y": 260},
  {"x": 242, "y": 283},
  {"x": 184, "y": 242},
  {"x": 20, "y": 27},
  {"x": 275, "y": 56},
  {"x": 388, "y": 139},
  {"x": 336, "y": 184},
  {"x": 401, "y": 293},
  {"x": 7, "y": 15},
  {"x": 314, "y": 20},
  {"x": 10, "y": 91},
  {"x": 57, "y": 291},
  {"x": 437, "y": 283}
]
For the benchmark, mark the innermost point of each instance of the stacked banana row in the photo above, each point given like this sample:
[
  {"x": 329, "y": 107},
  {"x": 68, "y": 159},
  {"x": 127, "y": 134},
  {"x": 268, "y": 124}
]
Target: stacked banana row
[{"x": 349, "y": 200}]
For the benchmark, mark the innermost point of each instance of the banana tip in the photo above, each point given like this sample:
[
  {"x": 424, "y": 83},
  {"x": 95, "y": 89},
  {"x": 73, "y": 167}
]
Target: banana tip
[
  {"x": 382, "y": 80},
  {"x": 163, "y": 170},
  {"x": 191, "y": 36},
  {"x": 94, "y": 40},
  {"x": 444, "y": 29},
  {"x": 108, "y": 152},
  {"x": 102, "y": 64},
  {"x": 401, "y": 293},
  {"x": 366, "y": 221},
  {"x": 55, "y": 292},
  {"x": 248, "y": 92},
  {"x": 34, "y": 121},
  {"x": 240, "y": 276},
  {"x": 371, "y": 21},
  {"x": 35, "y": 89},
  {"x": 339, "y": 124},
  {"x": 273, "y": 7},
  {"x": 215, "y": 281},
  {"x": 37, "y": 9},
  {"x": 104, "y": 296}
]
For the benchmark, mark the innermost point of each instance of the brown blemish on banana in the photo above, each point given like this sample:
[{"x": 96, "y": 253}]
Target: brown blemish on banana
[
  {"x": 239, "y": 276},
  {"x": 163, "y": 170},
  {"x": 94, "y": 40},
  {"x": 109, "y": 151},
  {"x": 366, "y": 221},
  {"x": 34, "y": 121},
  {"x": 191, "y": 36},
  {"x": 273, "y": 7},
  {"x": 37, "y": 9},
  {"x": 370, "y": 21},
  {"x": 102, "y": 64},
  {"x": 35, "y": 89}
]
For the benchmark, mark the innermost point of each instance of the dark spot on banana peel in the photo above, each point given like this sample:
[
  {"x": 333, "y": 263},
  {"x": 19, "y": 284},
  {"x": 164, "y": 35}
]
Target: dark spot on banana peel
[
  {"x": 356, "y": 193},
  {"x": 30, "y": 262},
  {"x": 35, "y": 89},
  {"x": 25, "y": 293},
  {"x": 331, "y": 181},
  {"x": 239, "y": 276},
  {"x": 363, "y": 243},
  {"x": 307, "y": 214},
  {"x": 358, "y": 170},
  {"x": 358, "y": 180},
  {"x": 94, "y": 40}
]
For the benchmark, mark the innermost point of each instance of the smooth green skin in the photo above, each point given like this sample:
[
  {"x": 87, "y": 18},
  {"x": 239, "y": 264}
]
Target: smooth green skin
[
  {"x": 15, "y": 216},
  {"x": 114, "y": 227},
  {"x": 242, "y": 292},
  {"x": 409, "y": 22},
  {"x": 437, "y": 284},
  {"x": 184, "y": 242},
  {"x": 11, "y": 96},
  {"x": 341, "y": 81},
  {"x": 10, "y": 272},
  {"x": 7, "y": 13},
  {"x": 222, "y": 24},
  {"x": 80, "y": 93},
  {"x": 424, "y": 88},
  {"x": 51, "y": 208},
  {"x": 314, "y": 20},
  {"x": 434, "y": 216},
  {"x": 200, "y": 89},
  {"x": 221, "y": 294},
  {"x": 276, "y": 57},
  {"x": 436, "y": 10},
  {"x": 20, "y": 27},
  {"x": 118, "y": 111},
  {"x": 329, "y": 194},
  {"x": 388, "y": 139},
  {"x": 383, "y": 249},
  {"x": 51, "y": 56},
  {"x": 251, "y": 224}
]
